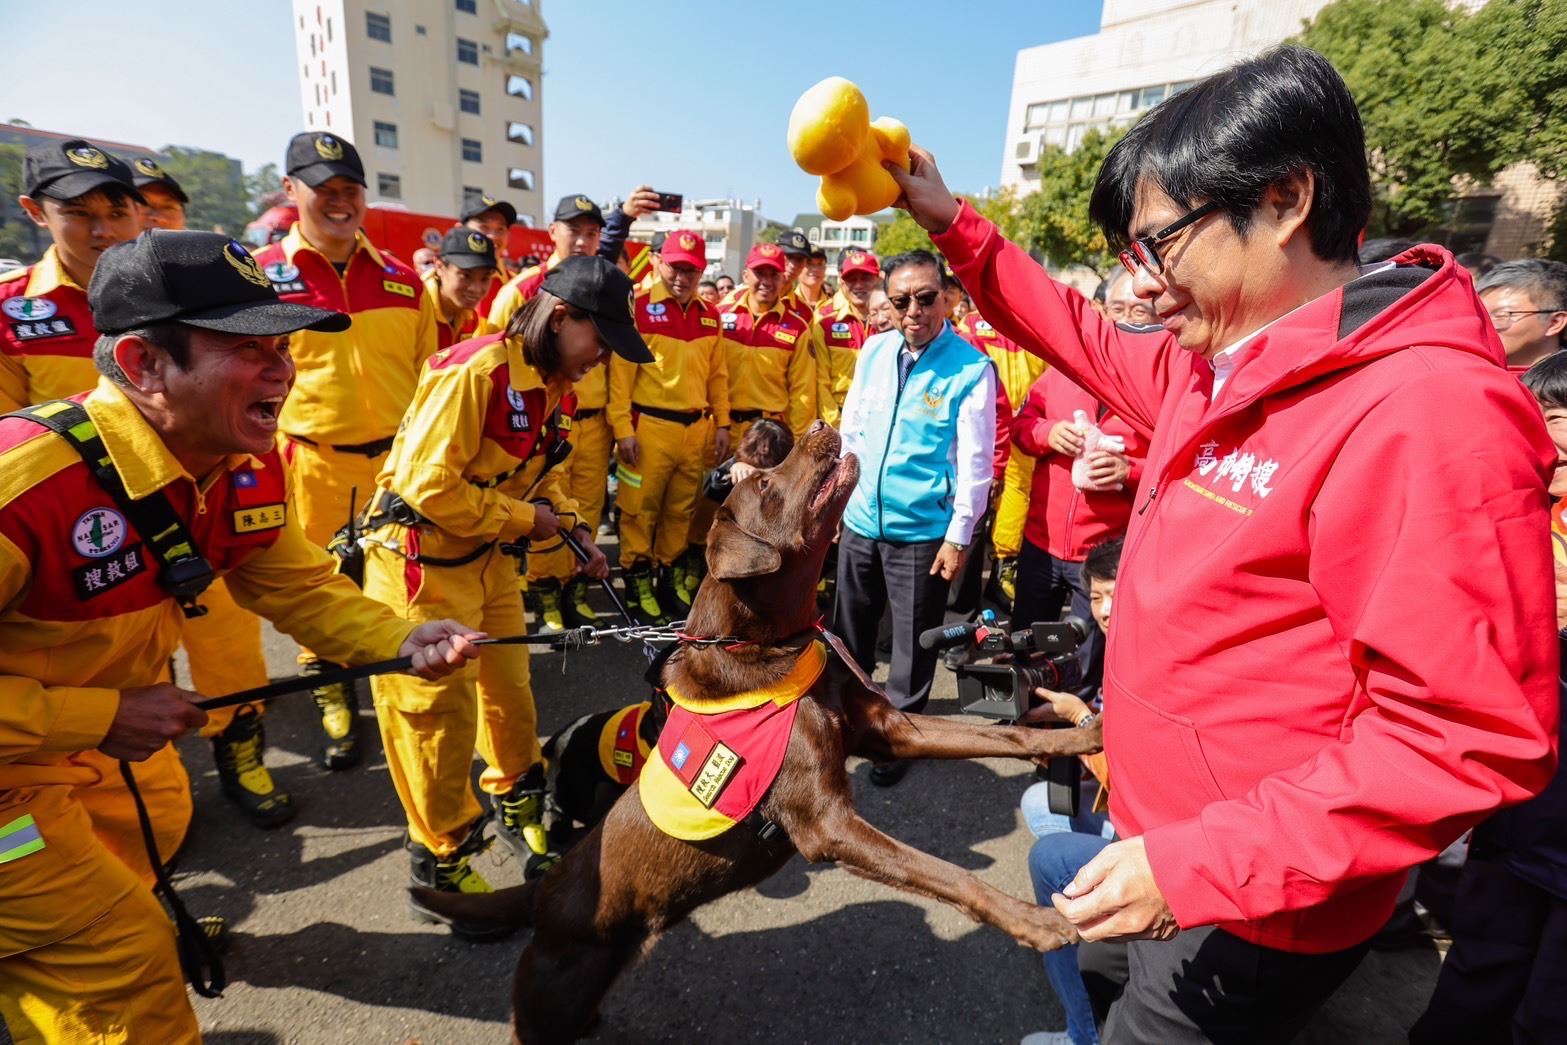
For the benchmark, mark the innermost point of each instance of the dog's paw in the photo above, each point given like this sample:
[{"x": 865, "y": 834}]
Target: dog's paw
[
  {"x": 1086, "y": 740},
  {"x": 1044, "y": 929}
]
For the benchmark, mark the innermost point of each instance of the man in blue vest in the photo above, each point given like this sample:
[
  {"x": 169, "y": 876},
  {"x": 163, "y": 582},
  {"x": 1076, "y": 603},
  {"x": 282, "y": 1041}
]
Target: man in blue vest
[{"x": 921, "y": 416}]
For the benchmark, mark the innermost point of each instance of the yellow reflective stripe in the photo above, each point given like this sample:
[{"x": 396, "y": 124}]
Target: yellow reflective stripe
[{"x": 19, "y": 838}]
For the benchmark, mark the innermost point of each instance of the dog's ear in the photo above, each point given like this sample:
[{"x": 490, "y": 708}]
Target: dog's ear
[{"x": 732, "y": 553}]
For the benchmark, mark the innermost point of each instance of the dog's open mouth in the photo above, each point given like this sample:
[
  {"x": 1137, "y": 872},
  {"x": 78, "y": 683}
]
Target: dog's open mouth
[{"x": 837, "y": 482}]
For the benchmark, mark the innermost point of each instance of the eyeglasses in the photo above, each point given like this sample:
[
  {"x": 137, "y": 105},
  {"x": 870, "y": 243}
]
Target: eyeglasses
[
  {"x": 1144, "y": 252},
  {"x": 926, "y": 298},
  {"x": 1504, "y": 320}
]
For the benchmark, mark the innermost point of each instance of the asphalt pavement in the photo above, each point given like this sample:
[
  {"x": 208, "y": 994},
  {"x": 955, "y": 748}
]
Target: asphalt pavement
[{"x": 323, "y": 950}]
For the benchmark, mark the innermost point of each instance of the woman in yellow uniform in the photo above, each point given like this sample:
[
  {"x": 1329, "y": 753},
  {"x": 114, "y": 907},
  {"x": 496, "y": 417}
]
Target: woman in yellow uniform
[{"x": 470, "y": 474}]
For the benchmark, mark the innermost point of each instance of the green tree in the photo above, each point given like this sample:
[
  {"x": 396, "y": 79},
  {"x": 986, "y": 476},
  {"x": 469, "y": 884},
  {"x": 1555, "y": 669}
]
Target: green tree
[
  {"x": 219, "y": 196},
  {"x": 769, "y": 233},
  {"x": 1052, "y": 221},
  {"x": 19, "y": 237},
  {"x": 901, "y": 235},
  {"x": 263, "y": 188}
]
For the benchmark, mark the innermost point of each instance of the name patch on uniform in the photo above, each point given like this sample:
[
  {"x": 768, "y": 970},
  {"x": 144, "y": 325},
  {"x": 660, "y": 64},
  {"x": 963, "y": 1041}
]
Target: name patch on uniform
[
  {"x": 98, "y": 577},
  {"x": 391, "y": 286},
  {"x": 28, "y": 308},
  {"x": 714, "y": 774},
  {"x": 786, "y": 336},
  {"x": 59, "y": 326},
  {"x": 261, "y": 517},
  {"x": 709, "y": 321}
]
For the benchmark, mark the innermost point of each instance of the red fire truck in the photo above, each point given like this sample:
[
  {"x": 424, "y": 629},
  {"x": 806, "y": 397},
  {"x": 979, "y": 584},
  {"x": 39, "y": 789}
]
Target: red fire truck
[{"x": 398, "y": 231}]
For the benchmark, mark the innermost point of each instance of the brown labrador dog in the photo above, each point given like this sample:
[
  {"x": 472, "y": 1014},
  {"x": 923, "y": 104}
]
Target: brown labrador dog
[{"x": 626, "y": 882}]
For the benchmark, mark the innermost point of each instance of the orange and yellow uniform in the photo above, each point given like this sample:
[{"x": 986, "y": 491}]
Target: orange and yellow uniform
[
  {"x": 469, "y": 323},
  {"x": 840, "y": 331},
  {"x": 86, "y": 952},
  {"x": 672, "y": 405},
  {"x": 587, "y": 469},
  {"x": 469, "y": 460},
  {"x": 352, "y": 387},
  {"x": 1017, "y": 370}
]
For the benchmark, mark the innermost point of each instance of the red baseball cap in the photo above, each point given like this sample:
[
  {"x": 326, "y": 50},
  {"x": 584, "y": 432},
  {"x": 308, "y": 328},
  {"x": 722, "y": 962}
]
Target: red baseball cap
[
  {"x": 765, "y": 256},
  {"x": 858, "y": 261},
  {"x": 685, "y": 247}
]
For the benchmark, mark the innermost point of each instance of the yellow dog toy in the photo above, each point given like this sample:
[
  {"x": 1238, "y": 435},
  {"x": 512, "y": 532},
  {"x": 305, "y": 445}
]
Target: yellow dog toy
[{"x": 831, "y": 134}]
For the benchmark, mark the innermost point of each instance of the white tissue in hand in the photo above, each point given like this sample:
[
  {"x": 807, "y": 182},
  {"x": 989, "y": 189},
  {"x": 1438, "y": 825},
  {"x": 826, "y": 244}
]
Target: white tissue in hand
[{"x": 1093, "y": 439}]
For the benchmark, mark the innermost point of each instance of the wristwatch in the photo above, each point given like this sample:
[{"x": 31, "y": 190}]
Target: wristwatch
[{"x": 958, "y": 546}]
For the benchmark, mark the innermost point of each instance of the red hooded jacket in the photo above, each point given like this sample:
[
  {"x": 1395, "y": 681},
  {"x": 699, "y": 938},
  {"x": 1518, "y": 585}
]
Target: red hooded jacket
[
  {"x": 1334, "y": 643},
  {"x": 1063, "y": 520}
]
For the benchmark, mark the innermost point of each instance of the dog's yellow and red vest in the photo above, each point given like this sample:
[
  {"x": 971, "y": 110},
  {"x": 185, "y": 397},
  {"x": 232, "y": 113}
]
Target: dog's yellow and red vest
[{"x": 717, "y": 758}]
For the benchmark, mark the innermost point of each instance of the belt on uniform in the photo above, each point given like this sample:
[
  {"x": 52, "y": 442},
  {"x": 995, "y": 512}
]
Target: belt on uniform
[
  {"x": 742, "y": 416},
  {"x": 583, "y": 415},
  {"x": 375, "y": 448},
  {"x": 389, "y": 507},
  {"x": 679, "y": 417}
]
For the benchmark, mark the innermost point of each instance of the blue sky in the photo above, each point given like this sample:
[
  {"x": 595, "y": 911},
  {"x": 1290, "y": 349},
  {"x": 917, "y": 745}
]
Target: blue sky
[{"x": 691, "y": 97}]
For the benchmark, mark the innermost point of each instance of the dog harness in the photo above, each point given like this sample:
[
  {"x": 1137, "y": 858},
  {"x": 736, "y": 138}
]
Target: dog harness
[
  {"x": 622, "y": 748},
  {"x": 716, "y": 759}
]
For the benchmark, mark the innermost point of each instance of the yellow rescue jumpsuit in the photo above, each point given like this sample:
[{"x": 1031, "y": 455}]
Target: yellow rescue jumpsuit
[
  {"x": 468, "y": 459},
  {"x": 665, "y": 404},
  {"x": 1017, "y": 369},
  {"x": 86, "y": 952},
  {"x": 839, "y": 333}
]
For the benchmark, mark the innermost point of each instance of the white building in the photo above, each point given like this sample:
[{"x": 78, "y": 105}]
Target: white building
[
  {"x": 441, "y": 97},
  {"x": 730, "y": 227},
  {"x": 1145, "y": 50}
]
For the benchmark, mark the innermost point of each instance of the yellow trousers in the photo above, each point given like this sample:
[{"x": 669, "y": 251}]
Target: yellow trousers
[
  {"x": 164, "y": 787},
  {"x": 1006, "y": 534},
  {"x": 224, "y": 646},
  {"x": 86, "y": 952},
  {"x": 587, "y": 477},
  {"x": 431, "y": 729},
  {"x": 656, "y": 523}
]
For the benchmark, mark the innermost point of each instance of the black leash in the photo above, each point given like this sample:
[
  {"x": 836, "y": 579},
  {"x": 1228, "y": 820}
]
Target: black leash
[{"x": 199, "y": 958}]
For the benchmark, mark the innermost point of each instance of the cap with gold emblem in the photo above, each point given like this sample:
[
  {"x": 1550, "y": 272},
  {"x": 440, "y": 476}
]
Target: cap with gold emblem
[
  {"x": 65, "y": 170},
  {"x": 315, "y": 157},
  {"x": 467, "y": 249},
  {"x": 477, "y": 205},
  {"x": 147, "y": 172},
  {"x": 685, "y": 247},
  {"x": 854, "y": 260},
  {"x": 577, "y": 206},
  {"x": 765, "y": 256},
  {"x": 203, "y": 279},
  {"x": 607, "y": 295},
  {"x": 794, "y": 243}
]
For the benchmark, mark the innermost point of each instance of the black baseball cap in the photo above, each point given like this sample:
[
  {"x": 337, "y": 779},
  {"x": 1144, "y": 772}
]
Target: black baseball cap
[
  {"x": 578, "y": 206},
  {"x": 794, "y": 242},
  {"x": 147, "y": 172},
  {"x": 315, "y": 157},
  {"x": 604, "y": 292},
  {"x": 203, "y": 279},
  {"x": 467, "y": 249},
  {"x": 478, "y": 205},
  {"x": 67, "y": 169}
]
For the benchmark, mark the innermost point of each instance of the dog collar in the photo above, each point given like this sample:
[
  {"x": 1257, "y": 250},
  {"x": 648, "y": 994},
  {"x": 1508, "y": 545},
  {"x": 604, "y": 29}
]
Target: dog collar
[{"x": 807, "y": 669}]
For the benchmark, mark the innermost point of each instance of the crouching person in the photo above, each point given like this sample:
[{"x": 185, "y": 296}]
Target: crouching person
[
  {"x": 471, "y": 475},
  {"x": 112, "y": 501}
]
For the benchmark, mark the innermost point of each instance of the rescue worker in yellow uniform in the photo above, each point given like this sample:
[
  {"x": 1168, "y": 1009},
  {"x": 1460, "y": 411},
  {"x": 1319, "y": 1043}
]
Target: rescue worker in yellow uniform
[
  {"x": 470, "y": 475},
  {"x": 796, "y": 254},
  {"x": 165, "y": 201},
  {"x": 664, "y": 413},
  {"x": 353, "y": 386},
  {"x": 842, "y": 325},
  {"x": 49, "y": 357},
  {"x": 558, "y": 597},
  {"x": 811, "y": 288},
  {"x": 768, "y": 336},
  {"x": 494, "y": 218},
  {"x": 463, "y": 272},
  {"x": 1017, "y": 370},
  {"x": 195, "y": 365}
]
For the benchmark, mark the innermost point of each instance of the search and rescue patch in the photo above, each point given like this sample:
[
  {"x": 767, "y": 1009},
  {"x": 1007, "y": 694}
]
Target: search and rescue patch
[
  {"x": 731, "y": 320},
  {"x": 104, "y": 575},
  {"x": 99, "y": 532},
  {"x": 261, "y": 517},
  {"x": 31, "y": 309},
  {"x": 285, "y": 278},
  {"x": 20, "y": 838},
  {"x": 391, "y": 286},
  {"x": 59, "y": 326},
  {"x": 984, "y": 329}
]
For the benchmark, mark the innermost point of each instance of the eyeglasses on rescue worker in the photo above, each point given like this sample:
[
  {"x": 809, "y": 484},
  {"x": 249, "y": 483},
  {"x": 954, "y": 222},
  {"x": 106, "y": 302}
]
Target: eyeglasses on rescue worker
[
  {"x": 926, "y": 298},
  {"x": 1144, "y": 250},
  {"x": 1505, "y": 319}
]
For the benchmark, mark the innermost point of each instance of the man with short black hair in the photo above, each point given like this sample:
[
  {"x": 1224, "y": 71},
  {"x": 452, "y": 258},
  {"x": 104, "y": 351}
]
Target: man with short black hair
[
  {"x": 796, "y": 252},
  {"x": 463, "y": 272},
  {"x": 494, "y": 218},
  {"x": 1527, "y": 301},
  {"x": 812, "y": 286},
  {"x": 164, "y": 206},
  {"x": 842, "y": 325}
]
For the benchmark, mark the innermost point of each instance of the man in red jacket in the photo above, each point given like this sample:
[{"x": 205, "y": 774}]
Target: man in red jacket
[{"x": 1333, "y": 647}]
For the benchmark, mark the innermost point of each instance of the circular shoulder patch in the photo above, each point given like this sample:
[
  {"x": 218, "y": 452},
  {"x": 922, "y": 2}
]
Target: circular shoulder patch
[
  {"x": 99, "y": 532},
  {"x": 518, "y": 400},
  {"x": 28, "y": 308}
]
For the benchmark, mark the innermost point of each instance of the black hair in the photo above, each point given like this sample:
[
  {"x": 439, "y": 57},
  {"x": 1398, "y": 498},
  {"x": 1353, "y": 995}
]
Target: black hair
[
  {"x": 1547, "y": 379},
  {"x": 910, "y": 258},
  {"x": 1102, "y": 291},
  {"x": 1229, "y": 137},
  {"x": 170, "y": 336},
  {"x": 531, "y": 325},
  {"x": 765, "y": 444},
  {"x": 1545, "y": 281},
  {"x": 1374, "y": 251},
  {"x": 1103, "y": 561},
  {"x": 117, "y": 195},
  {"x": 708, "y": 283}
]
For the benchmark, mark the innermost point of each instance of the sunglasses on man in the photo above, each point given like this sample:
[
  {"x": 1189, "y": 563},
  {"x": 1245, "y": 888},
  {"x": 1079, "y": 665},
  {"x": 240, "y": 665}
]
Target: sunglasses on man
[{"x": 926, "y": 298}]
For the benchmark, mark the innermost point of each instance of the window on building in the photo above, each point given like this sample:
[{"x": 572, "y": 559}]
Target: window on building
[
  {"x": 521, "y": 133},
  {"x": 334, "y": 81},
  {"x": 518, "y": 178},
  {"x": 1058, "y": 111},
  {"x": 1104, "y": 105},
  {"x": 1074, "y": 135},
  {"x": 318, "y": 94},
  {"x": 1177, "y": 88},
  {"x": 815, "y": 235},
  {"x": 1055, "y": 136},
  {"x": 390, "y": 186},
  {"x": 470, "y": 193},
  {"x": 1126, "y": 102},
  {"x": 419, "y": 31},
  {"x": 467, "y": 51},
  {"x": 1036, "y": 116},
  {"x": 468, "y": 101},
  {"x": 1152, "y": 96},
  {"x": 312, "y": 51},
  {"x": 468, "y": 7},
  {"x": 1082, "y": 108},
  {"x": 519, "y": 42},
  {"x": 378, "y": 27},
  {"x": 472, "y": 150},
  {"x": 859, "y": 235},
  {"x": 381, "y": 81},
  {"x": 386, "y": 135},
  {"x": 519, "y": 87},
  {"x": 525, "y": 220}
]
